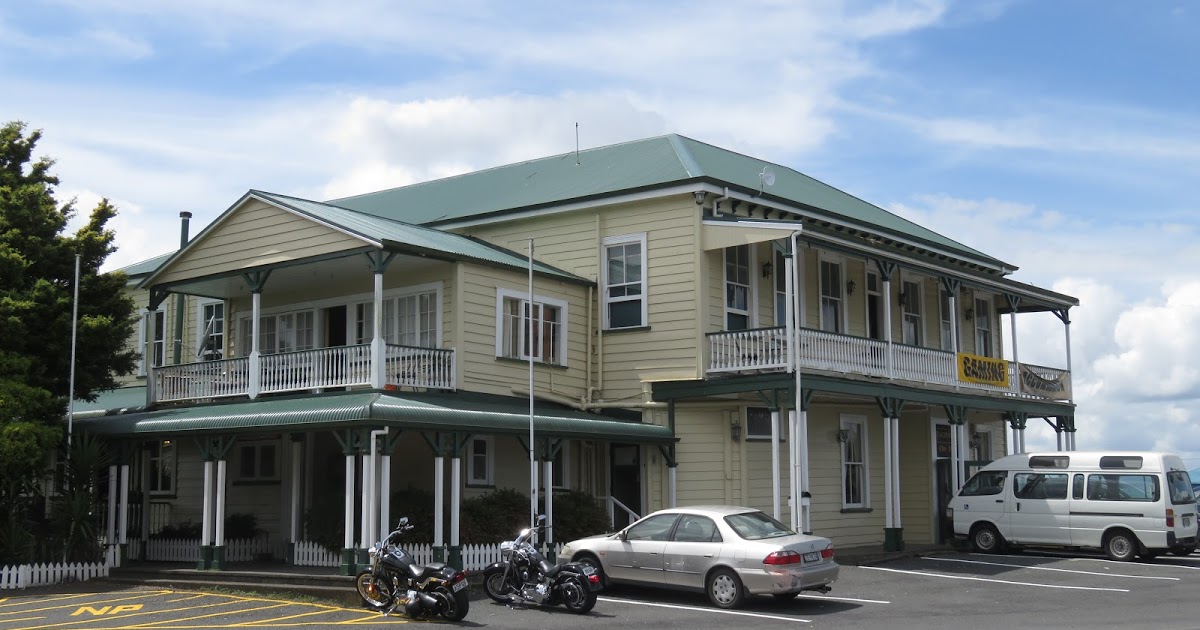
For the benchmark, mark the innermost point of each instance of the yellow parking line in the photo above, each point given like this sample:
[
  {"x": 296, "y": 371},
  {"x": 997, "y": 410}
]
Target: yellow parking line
[
  {"x": 184, "y": 599},
  {"x": 278, "y": 619},
  {"x": 138, "y": 614},
  {"x": 22, "y": 619},
  {"x": 216, "y": 614},
  {"x": 77, "y": 604}
]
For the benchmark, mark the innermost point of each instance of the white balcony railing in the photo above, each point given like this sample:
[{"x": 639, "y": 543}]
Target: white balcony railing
[
  {"x": 765, "y": 350},
  {"x": 305, "y": 370}
]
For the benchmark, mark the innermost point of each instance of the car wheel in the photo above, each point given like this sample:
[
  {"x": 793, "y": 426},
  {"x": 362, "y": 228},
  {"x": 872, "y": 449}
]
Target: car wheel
[
  {"x": 1121, "y": 546},
  {"x": 724, "y": 589},
  {"x": 985, "y": 538},
  {"x": 589, "y": 560}
]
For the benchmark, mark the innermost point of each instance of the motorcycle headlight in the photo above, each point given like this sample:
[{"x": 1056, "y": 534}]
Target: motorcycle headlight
[{"x": 375, "y": 549}]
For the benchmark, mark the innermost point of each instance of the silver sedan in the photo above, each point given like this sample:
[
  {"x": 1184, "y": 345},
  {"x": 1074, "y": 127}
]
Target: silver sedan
[{"x": 725, "y": 551}]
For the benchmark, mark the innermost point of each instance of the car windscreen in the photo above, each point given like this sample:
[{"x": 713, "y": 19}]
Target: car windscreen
[
  {"x": 1180, "y": 487},
  {"x": 757, "y": 525}
]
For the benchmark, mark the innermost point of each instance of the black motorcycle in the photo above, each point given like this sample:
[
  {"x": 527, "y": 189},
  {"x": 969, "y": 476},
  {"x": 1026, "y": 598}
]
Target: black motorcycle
[
  {"x": 524, "y": 576},
  {"x": 395, "y": 581}
]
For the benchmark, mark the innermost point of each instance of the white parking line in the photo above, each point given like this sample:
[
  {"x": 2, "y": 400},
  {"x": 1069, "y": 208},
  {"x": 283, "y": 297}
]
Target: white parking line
[
  {"x": 1044, "y": 553},
  {"x": 707, "y": 610},
  {"x": 1033, "y": 568},
  {"x": 979, "y": 579},
  {"x": 843, "y": 599}
]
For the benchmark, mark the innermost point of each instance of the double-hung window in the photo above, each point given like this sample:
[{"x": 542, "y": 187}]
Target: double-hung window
[
  {"x": 155, "y": 330},
  {"x": 530, "y": 329},
  {"x": 911, "y": 306},
  {"x": 831, "y": 296},
  {"x": 210, "y": 331},
  {"x": 561, "y": 467},
  {"x": 283, "y": 332},
  {"x": 162, "y": 467},
  {"x": 780, "y": 282},
  {"x": 410, "y": 319},
  {"x": 624, "y": 281},
  {"x": 480, "y": 461},
  {"x": 737, "y": 287},
  {"x": 258, "y": 461},
  {"x": 983, "y": 328},
  {"x": 853, "y": 436},
  {"x": 945, "y": 316}
]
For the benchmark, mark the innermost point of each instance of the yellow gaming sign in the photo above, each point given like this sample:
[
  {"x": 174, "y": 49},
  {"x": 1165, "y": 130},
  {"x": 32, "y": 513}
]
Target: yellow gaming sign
[{"x": 973, "y": 368}]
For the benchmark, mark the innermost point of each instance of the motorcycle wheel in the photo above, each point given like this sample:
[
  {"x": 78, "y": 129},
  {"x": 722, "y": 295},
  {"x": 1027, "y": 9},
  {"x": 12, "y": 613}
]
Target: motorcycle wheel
[
  {"x": 454, "y": 605},
  {"x": 576, "y": 596},
  {"x": 496, "y": 586},
  {"x": 373, "y": 591}
]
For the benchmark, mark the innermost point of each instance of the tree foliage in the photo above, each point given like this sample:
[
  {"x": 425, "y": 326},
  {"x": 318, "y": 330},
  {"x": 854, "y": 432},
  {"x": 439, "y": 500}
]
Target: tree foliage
[{"x": 37, "y": 269}]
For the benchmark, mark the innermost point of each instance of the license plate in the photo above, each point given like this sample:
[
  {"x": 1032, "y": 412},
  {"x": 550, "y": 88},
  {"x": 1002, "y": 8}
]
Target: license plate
[
  {"x": 588, "y": 570},
  {"x": 459, "y": 585},
  {"x": 812, "y": 556}
]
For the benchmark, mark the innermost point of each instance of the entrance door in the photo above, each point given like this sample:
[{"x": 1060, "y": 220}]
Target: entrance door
[
  {"x": 945, "y": 492},
  {"x": 625, "y": 481}
]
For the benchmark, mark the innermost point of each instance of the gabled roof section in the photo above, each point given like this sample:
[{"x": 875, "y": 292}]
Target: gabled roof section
[
  {"x": 625, "y": 168},
  {"x": 139, "y": 270}
]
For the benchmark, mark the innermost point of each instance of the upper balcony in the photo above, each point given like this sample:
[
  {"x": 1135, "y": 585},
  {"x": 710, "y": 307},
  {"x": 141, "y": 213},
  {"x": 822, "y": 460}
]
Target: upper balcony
[
  {"x": 307, "y": 370},
  {"x": 766, "y": 350}
]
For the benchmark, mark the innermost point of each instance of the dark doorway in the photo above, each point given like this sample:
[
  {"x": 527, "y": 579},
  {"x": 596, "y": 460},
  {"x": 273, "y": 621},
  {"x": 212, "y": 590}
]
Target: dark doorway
[
  {"x": 625, "y": 481},
  {"x": 335, "y": 326},
  {"x": 945, "y": 492}
]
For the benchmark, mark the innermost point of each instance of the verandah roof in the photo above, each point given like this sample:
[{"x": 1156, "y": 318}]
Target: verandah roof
[{"x": 427, "y": 412}]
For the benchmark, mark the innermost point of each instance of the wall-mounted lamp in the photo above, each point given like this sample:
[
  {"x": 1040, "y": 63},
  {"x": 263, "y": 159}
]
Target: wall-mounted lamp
[
  {"x": 969, "y": 314},
  {"x": 850, "y": 287},
  {"x": 766, "y": 270},
  {"x": 843, "y": 435},
  {"x": 735, "y": 431}
]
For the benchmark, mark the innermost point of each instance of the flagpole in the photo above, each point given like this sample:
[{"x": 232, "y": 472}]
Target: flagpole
[
  {"x": 533, "y": 476},
  {"x": 71, "y": 379}
]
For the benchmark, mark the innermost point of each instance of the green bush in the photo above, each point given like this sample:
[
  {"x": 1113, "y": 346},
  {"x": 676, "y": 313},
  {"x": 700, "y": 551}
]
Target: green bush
[
  {"x": 578, "y": 514},
  {"x": 495, "y": 516},
  {"x": 324, "y": 524},
  {"x": 417, "y": 505},
  {"x": 186, "y": 529},
  {"x": 242, "y": 526}
]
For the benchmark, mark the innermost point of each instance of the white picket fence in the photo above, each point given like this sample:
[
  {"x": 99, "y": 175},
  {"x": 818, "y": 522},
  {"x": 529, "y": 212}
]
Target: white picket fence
[
  {"x": 27, "y": 575},
  {"x": 188, "y": 549},
  {"x": 474, "y": 557}
]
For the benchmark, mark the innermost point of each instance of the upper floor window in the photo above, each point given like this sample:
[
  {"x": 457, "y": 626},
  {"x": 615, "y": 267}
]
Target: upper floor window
[
  {"x": 156, "y": 331},
  {"x": 408, "y": 320},
  {"x": 210, "y": 328},
  {"x": 944, "y": 317},
  {"x": 853, "y": 436},
  {"x": 737, "y": 287},
  {"x": 983, "y": 327},
  {"x": 781, "y": 288},
  {"x": 831, "y": 296},
  {"x": 625, "y": 281},
  {"x": 910, "y": 304},
  {"x": 527, "y": 329},
  {"x": 283, "y": 332}
]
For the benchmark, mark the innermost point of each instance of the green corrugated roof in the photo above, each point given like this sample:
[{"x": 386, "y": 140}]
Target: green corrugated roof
[
  {"x": 120, "y": 398},
  {"x": 621, "y": 168},
  {"x": 414, "y": 238},
  {"x": 139, "y": 270},
  {"x": 467, "y": 413}
]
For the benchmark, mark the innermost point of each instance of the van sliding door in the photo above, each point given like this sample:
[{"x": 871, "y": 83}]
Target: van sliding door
[{"x": 1040, "y": 512}]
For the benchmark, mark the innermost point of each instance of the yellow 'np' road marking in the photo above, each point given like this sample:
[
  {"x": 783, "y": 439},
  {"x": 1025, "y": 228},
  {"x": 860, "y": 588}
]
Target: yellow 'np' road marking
[
  {"x": 104, "y": 610},
  {"x": 76, "y": 604},
  {"x": 139, "y": 614}
]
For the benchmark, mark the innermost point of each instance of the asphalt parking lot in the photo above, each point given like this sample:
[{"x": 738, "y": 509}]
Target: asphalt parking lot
[{"x": 960, "y": 590}]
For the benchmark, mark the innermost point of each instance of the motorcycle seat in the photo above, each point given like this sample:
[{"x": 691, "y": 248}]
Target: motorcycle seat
[
  {"x": 422, "y": 571},
  {"x": 547, "y": 569}
]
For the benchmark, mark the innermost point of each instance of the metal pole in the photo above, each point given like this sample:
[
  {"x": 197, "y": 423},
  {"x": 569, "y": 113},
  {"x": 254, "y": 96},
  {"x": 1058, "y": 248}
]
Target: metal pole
[
  {"x": 71, "y": 379},
  {"x": 533, "y": 472}
]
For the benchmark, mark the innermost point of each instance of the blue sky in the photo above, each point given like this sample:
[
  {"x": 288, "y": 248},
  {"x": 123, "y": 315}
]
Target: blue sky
[{"x": 1059, "y": 136}]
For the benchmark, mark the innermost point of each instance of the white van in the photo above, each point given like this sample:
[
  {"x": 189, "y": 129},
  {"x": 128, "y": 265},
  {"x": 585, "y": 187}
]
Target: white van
[{"x": 1126, "y": 503}]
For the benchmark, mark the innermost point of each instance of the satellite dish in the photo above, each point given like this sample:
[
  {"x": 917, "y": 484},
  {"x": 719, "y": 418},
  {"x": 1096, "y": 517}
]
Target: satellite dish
[{"x": 765, "y": 178}]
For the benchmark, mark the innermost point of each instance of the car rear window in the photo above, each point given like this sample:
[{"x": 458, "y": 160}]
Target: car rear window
[{"x": 757, "y": 525}]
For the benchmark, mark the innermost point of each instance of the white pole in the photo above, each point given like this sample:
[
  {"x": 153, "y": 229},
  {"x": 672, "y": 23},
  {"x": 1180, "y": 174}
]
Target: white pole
[
  {"x": 888, "y": 518},
  {"x": 71, "y": 385},
  {"x": 439, "y": 501},
  {"x": 294, "y": 525},
  {"x": 385, "y": 494},
  {"x": 206, "y": 527},
  {"x": 548, "y": 475},
  {"x": 455, "y": 497},
  {"x": 123, "y": 507},
  {"x": 111, "y": 538},
  {"x": 533, "y": 472},
  {"x": 894, "y": 423},
  {"x": 348, "y": 514},
  {"x": 775, "y": 463},
  {"x": 219, "y": 521}
]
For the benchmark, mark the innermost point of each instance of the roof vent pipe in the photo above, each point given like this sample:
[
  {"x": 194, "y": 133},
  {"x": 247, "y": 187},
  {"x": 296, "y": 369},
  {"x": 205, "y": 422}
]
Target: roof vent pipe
[{"x": 185, "y": 218}]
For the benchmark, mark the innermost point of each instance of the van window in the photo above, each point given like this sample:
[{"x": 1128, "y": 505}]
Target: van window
[
  {"x": 1040, "y": 486},
  {"x": 1123, "y": 488},
  {"x": 1180, "y": 485},
  {"x": 1077, "y": 487},
  {"x": 984, "y": 483},
  {"x": 1132, "y": 462},
  {"x": 1050, "y": 461}
]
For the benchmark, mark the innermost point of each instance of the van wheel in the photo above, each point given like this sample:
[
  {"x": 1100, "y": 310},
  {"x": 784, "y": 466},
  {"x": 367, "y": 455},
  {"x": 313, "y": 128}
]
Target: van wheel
[
  {"x": 1120, "y": 545},
  {"x": 985, "y": 538}
]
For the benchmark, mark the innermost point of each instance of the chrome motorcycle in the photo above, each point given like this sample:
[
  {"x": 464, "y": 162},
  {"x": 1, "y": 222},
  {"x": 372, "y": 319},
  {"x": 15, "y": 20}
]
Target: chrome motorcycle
[
  {"x": 395, "y": 581},
  {"x": 524, "y": 577}
]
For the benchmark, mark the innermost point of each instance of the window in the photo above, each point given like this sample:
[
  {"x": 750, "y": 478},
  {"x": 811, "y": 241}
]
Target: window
[
  {"x": 1123, "y": 488},
  {"x": 1128, "y": 462},
  {"x": 545, "y": 342},
  {"x": 1077, "y": 487},
  {"x": 480, "y": 462},
  {"x": 981, "y": 445},
  {"x": 737, "y": 287},
  {"x": 696, "y": 528},
  {"x": 656, "y": 527},
  {"x": 158, "y": 333},
  {"x": 911, "y": 307},
  {"x": 625, "y": 281},
  {"x": 983, "y": 328},
  {"x": 163, "y": 465},
  {"x": 210, "y": 331},
  {"x": 561, "y": 467},
  {"x": 1040, "y": 485},
  {"x": 1179, "y": 484},
  {"x": 364, "y": 323},
  {"x": 757, "y": 525},
  {"x": 408, "y": 320},
  {"x": 758, "y": 424},
  {"x": 854, "y": 461},
  {"x": 284, "y": 332},
  {"x": 1050, "y": 461},
  {"x": 985, "y": 483},
  {"x": 258, "y": 461},
  {"x": 831, "y": 296},
  {"x": 944, "y": 315},
  {"x": 780, "y": 267}
]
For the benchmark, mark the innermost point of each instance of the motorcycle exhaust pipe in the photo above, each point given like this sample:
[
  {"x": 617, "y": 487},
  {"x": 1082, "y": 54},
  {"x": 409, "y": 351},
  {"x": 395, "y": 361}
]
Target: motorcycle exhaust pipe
[{"x": 428, "y": 601}]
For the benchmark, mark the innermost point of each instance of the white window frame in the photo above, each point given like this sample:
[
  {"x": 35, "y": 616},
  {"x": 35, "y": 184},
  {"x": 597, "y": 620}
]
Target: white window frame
[
  {"x": 749, "y": 312},
  {"x": 245, "y": 328},
  {"x": 752, "y": 436},
  {"x": 489, "y": 462},
  {"x": 158, "y": 314},
  {"x": 360, "y": 316},
  {"x": 779, "y": 285},
  {"x": 984, "y": 347},
  {"x": 834, "y": 295},
  {"x": 910, "y": 311},
  {"x": 643, "y": 294},
  {"x": 523, "y": 299},
  {"x": 258, "y": 446},
  {"x": 562, "y": 466},
  {"x": 202, "y": 327},
  {"x": 945, "y": 325},
  {"x": 154, "y": 472},
  {"x": 848, "y": 422}
]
